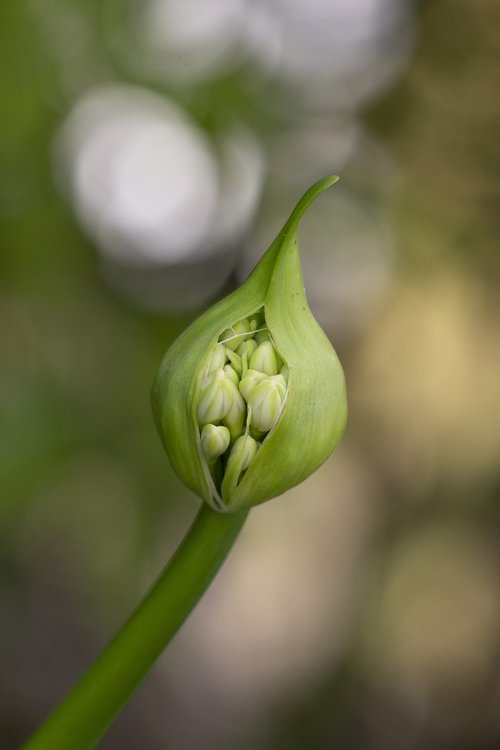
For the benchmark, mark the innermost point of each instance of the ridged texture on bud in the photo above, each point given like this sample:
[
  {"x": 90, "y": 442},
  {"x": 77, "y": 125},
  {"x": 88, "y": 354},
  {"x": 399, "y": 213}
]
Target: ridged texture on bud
[
  {"x": 258, "y": 373},
  {"x": 265, "y": 401},
  {"x": 214, "y": 441}
]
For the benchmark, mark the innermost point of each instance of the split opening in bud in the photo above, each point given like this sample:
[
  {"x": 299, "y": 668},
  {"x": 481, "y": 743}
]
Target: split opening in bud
[{"x": 242, "y": 395}]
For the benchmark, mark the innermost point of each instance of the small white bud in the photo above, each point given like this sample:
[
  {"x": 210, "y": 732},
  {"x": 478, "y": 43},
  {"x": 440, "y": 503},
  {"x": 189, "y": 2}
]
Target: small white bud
[
  {"x": 266, "y": 399},
  {"x": 236, "y": 416},
  {"x": 216, "y": 398},
  {"x": 232, "y": 337},
  {"x": 235, "y": 361},
  {"x": 214, "y": 441},
  {"x": 218, "y": 359},
  {"x": 247, "y": 348},
  {"x": 240, "y": 458},
  {"x": 264, "y": 359},
  {"x": 231, "y": 373},
  {"x": 251, "y": 378}
]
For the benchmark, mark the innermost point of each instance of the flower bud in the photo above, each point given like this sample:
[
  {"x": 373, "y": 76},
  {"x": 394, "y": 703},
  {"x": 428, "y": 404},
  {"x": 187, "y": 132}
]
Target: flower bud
[
  {"x": 214, "y": 441},
  {"x": 232, "y": 337},
  {"x": 240, "y": 458},
  {"x": 247, "y": 383},
  {"x": 216, "y": 398},
  {"x": 265, "y": 400},
  {"x": 218, "y": 358},
  {"x": 235, "y": 360},
  {"x": 236, "y": 416},
  {"x": 247, "y": 348},
  {"x": 231, "y": 374},
  {"x": 265, "y": 327},
  {"x": 264, "y": 359}
]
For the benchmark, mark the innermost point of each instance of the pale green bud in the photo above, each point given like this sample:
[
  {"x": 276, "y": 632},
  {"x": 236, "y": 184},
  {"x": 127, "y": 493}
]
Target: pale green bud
[
  {"x": 216, "y": 398},
  {"x": 231, "y": 373},
  {"x": 254, "y": 322},
  {"x": 247, "y": 383},
  {"x": 264, "y": 359},
  {"x": 247, "y": 348},
  {"x": 235, "y": 360},
  {"x": 232, "y": 337},
  {"x": 218, "y": 359},
  {"x": 214, "y": 441},
  {"x": 236, "y": 416},
  {"x": 240, "y": 458},
  {"x": 300, "y": 413},
  {"x": 265, "y": 401}
]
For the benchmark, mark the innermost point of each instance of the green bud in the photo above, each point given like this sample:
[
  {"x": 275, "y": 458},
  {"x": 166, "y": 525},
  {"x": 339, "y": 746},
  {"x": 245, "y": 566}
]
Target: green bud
[
  {"x": 214, "y": 441},
  {"x": 236, "y": 416},
  {"x": 232, "y": 337},
  {"x": 235, "y": 360},
  {"x": 247, "y": 383},
  {"x": 265, "y": 401},
  {"x": 299, "y": 415},
  {"x": 240, "y": 458},
  {"x": 264, "y": 359},
  {"x": 231, "y": 374},
  {"x": 255, "y": 322},
  {"x": 216, "y": 397},
  {"x": 247, "y": 348},
  {"x": 218, "y": 359}
]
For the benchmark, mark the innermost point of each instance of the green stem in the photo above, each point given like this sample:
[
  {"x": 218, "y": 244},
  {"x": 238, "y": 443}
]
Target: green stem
[{"x": 87, "y": 711}]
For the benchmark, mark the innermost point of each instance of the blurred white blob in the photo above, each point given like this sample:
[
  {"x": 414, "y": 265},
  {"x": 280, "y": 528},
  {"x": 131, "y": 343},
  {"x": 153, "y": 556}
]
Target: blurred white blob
[
  {"x": 335, "y": 54},
  {"x": 155, "y": 194},
  {"x": 187, "y": 40},
  {"x": 138, "y": 167}
]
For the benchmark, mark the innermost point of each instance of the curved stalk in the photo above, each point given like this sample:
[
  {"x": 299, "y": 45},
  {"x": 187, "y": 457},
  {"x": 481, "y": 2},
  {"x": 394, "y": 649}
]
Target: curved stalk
[{"x": 88, "y": 710}]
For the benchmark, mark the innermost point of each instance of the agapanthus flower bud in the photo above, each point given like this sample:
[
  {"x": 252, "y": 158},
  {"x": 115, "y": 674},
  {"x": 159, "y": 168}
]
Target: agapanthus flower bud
[
  {"x": 247, "y": 348},
  {"x": 214, "y": 441},
  {"x": 232, "y": 337},
  {"x": 264, "y": 359},
  {"x": 257, "y": 376},
  {"x": 265, "y": 400},
  {"x": 247, "y": 383},
  {"x": 231, "y": 374},
  {"x": 240, "y": 458},
  {"x": 216, "y": 397},
  {"x": 218, "y": 359},
  {"x": 236, "y": 416},
  {"x": 236, "y": 361}
]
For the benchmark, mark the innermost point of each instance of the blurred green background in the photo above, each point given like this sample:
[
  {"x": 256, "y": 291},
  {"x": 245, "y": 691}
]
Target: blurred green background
[{"x": 149, "y": 152}]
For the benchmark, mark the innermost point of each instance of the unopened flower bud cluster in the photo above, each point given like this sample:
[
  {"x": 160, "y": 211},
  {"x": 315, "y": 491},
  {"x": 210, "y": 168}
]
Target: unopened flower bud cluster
[{"x": 241, "y": 399}]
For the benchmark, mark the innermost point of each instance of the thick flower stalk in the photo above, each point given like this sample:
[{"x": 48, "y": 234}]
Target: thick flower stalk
[{"x": 250, "y": 400}]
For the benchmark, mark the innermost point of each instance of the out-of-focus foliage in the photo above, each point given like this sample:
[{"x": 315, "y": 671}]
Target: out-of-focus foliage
[{"x": 149, "y": 151}]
